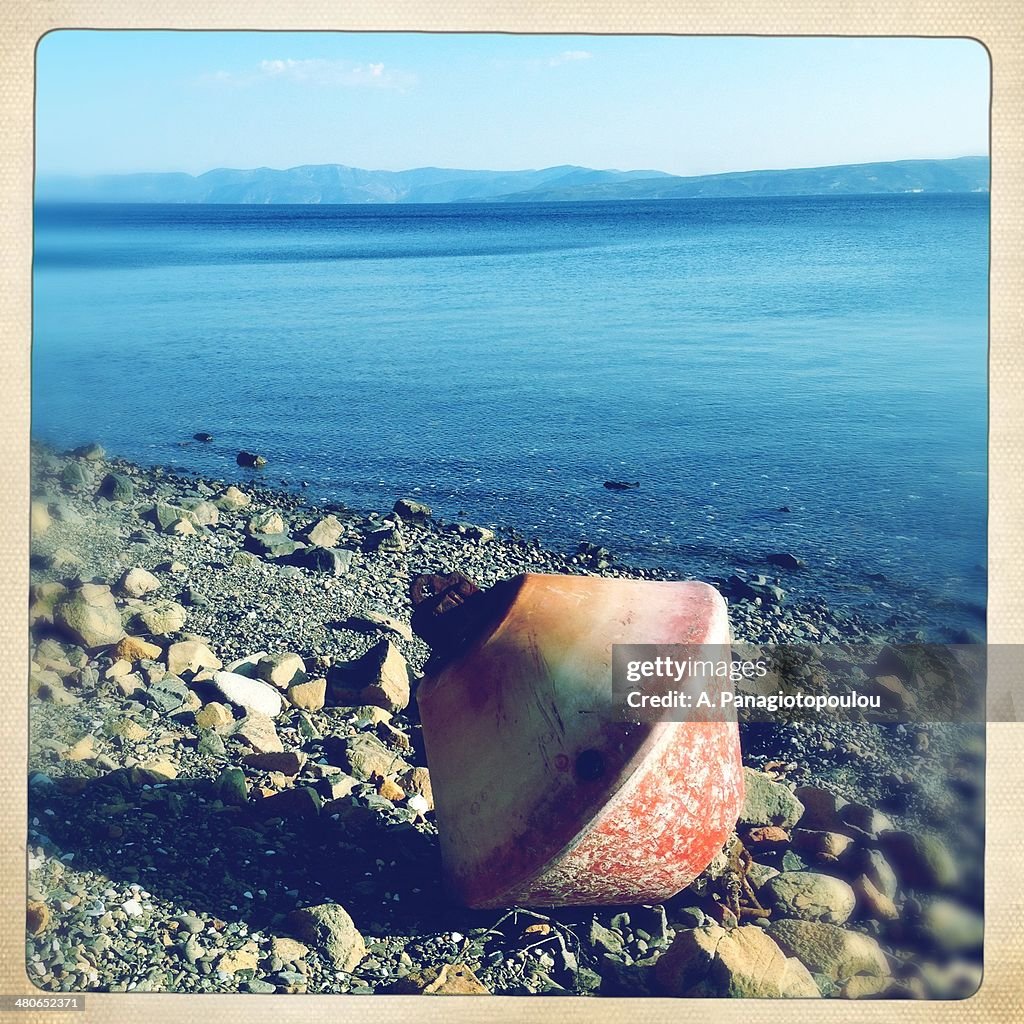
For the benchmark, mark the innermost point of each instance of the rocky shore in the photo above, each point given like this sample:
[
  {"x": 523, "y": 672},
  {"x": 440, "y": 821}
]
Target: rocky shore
[{"x": 228, "y": 790}]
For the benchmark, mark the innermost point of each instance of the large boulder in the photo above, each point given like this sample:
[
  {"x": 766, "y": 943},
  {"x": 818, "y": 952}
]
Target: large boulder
[
  {"x": 138, "y": 582},
  {"x": 830, "y": 950},
  {"x": 117, "y": 487},
  {"x": 232, "y": 499},
  {"x": 810, "y": 896},
  {"x": 334, "y": 561},
  {"x": 921, "y": 859},
  {"x": 767, "y": 802},
  {"x": 162, "y": 617},
  {"x": 329, "y": 928},
  {"x": 416, "y": 511},
  {"x": 380, "y": 676},
  {"x": 271, "y": 522},
  {"x": 90, "y": 616},
  {"x": 325, "y": 532},
  {"x": 742, "y": 963}
]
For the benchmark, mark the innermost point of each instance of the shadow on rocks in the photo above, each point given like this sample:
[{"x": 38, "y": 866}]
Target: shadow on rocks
[{"x": 181, "y": 844}]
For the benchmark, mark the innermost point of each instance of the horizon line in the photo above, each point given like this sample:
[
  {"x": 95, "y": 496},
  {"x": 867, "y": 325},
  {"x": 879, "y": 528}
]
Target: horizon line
[{"x": 518, "y": 170}]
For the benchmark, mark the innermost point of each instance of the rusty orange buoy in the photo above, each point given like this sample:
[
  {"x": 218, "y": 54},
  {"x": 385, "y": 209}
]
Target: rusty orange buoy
[{"x": 544, "y": 795}]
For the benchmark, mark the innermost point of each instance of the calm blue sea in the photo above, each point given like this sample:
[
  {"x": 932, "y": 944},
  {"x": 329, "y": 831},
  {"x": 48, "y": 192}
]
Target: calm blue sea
[{"x": 827, "y": 354}]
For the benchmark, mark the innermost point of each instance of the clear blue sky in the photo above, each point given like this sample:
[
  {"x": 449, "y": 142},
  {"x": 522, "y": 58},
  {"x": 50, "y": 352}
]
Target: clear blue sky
[{"x": 191, "y": 101}]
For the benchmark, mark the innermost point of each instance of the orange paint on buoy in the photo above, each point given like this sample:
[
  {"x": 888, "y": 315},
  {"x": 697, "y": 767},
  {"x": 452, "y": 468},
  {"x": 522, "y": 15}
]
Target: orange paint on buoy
[{"x": 542, "y": 796}]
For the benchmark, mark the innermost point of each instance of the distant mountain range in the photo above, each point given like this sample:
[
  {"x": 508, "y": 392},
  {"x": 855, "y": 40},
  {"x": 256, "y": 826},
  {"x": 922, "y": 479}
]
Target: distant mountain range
[{"x": 336, "y": 183}]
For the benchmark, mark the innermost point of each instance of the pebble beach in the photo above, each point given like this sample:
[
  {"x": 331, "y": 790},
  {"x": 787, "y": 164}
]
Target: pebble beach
[{"x": 228, "y": 790}]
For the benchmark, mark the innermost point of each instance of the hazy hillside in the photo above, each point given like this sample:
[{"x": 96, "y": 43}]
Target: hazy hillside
[
  {"x": 325, "y": 183},
  {"x": 964, "y": 174},
  {"x": 337, "y": 183}
]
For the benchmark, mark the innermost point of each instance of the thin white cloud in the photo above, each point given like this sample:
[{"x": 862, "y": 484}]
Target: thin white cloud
[
  {"x": 321, "y": 72},
  {"x": 553, "y": 60},
  {"x": 568, "y": 57}
]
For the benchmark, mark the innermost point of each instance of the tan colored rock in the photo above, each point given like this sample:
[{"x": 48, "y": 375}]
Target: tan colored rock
[
  {"x": 340, "y": 785},
  {"x": 118, "y": 668},
  {"x": 182, "y": 528},
  {"x": 266, "y": 522},
  {"x": 130, "y": 684},
  {"x": 161, "y": 767},
  {"x": 281, "y": 670},
  {"x": 206, "y": 513},
  {"x": 83, "y": 750},
  {"x": 288, "y": 950},
  {"x": 162, "y": 617},
  {"x": 364, "y": 756},
  {"x": 329, "y": 928},
  {"x": 390, "y": 686},
  {"x": 743, "y": 962},
  {"x": 232, "y": 499},
  {"x": 135, "y": 648},
  {"x": 874, "y": 904},
  {"x": 129, "y": 730},
  {"x": 288, "y": 762},
  {"x": 309, "y": 695},
  {"x": 893, "y": 693},
  {"x": 864, "y": 986},
  {"x": 368, "y": 712},
  {"x": 37, "y": 917},
  {"x": 138, "y": 582},
  {"x": 90, "y": 616},
  {"x": 190, "y": 656},
  {"x": 325, "y": 532},
  {"x": 446, "y": 980},
  {"x": 416, "y": 781},
  {"x": 234, "y": 960},
  {"x": 39, "y": 518},
  {"x": 826, "y": 847},
  {"x": 830, "y": 950},
  {"x": 810, "y": 896},
  {"x": 215, "y": 716},
  {"x": 258, "y": 732},
  {"x": 390, "y": 790}
]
